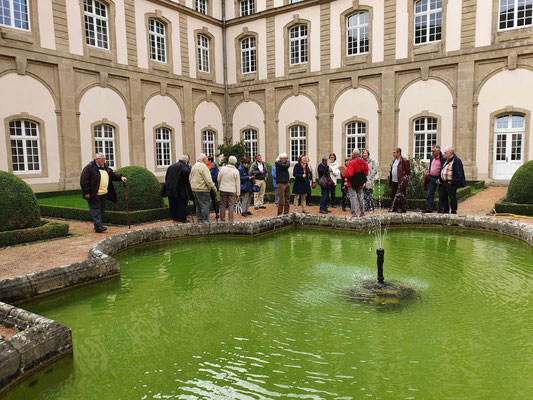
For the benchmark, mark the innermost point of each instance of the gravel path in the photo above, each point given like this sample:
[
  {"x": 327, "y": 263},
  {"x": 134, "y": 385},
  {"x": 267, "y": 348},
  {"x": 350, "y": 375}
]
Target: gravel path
[{"x": 23, "y": 259}]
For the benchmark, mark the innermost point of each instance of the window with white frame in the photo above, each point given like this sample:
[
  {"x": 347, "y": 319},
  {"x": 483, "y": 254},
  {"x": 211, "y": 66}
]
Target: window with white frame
[
  {"x": 156, "y": 31},
  {"x": 509, "y": 127},
  {"x": 424, "y": 137},
  {"x": 104, "y": 142},
  {"x": 250, "y": 142},
  {"x": 203, "y": 53},
  {"x": 15, "y": 14},
  {"x": 248, "y": 55},
  {"x": 515, "y": 14},
  {"x": 25, "y": 146},
  {"x": 298, "y": 44},
  {"x": 201, "y": 6},
  {"x": 355, "y": 137},
  {"x": 357, "y": 39},
  {"x": 247, "y": 7},
  {"x": 163, "y": 147},
  {"x": 208, "y": 142},
  {"x": 298, "y": 141},
  {"x": 295, "y": 1},
  {"x": 428, "y": 21},
  {"x": 96, "y": 24}
]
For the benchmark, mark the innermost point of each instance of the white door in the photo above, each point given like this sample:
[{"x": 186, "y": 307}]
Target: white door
[{"x": 508, "y": 145}]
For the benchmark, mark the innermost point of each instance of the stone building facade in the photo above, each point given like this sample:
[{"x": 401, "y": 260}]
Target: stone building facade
[{"x": 143, "y": 80}]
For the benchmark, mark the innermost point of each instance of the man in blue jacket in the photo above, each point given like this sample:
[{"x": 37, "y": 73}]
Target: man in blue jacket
[
  {"x": 435, "y": 166},
  {"x": 452, "y": 177}
]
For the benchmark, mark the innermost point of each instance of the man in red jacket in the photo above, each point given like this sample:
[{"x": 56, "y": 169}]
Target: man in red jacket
[
  {"x": 400, "y": 173},
  {"x": 356, "y": 168}
]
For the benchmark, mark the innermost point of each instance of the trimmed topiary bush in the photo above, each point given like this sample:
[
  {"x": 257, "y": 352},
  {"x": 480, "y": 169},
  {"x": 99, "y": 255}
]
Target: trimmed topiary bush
[
  {"x": 521, "y": 186},
  {"x": 18, "y": 205},
  {"x": 144, "y": 190}
]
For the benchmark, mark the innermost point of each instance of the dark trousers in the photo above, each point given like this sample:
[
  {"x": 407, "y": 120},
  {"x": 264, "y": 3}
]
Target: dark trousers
[
  {"x": 432, "y": 188},
  {"x": 332, "y": 194},
  {"x": 370, "y": 203},
  {"x": 178, "y": 208},
  {"x": 214, "y": 202},
  {"x": 97, "y": 208},
  {"x": 398, "y": 194},
  {"x": 284, "y": 192},
  {"x": 324, "y": 198},
  {"x": 202, "y": 206},
  {"x": 448, "y": 197}
]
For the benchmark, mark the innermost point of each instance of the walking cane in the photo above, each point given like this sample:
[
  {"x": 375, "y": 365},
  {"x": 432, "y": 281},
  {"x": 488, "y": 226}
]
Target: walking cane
[{"x": 127, "y": 205}]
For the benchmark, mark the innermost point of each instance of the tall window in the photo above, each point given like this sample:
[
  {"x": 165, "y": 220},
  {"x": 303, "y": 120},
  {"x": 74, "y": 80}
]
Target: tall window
[
  {"x": 294, "y": 1},
  {"x": 156, "y": 30},
  {"x": 208, "y": 142},
  {"x": 248, "y": 55},
  {"x": 357, "y": 38},
  {"x": 515, "y": 13},
  {"x": 25, "y": 146},
  {"x": 424, "y": 137},
  {"x": 428, "y": 21},
  {"x": 250, "y": 142},
  {"x": 509, "y": 128},
  {"x": 163, "y": 147},
  {"x": 298, "y": 141},
  {"x": 104, "y": 142},
  {"x": 15, "y": 14},
  {"x": 201, "y": 6},
  {"x": 203, "y": 53},
  {"x": 298, "y": 44},
  {"x": 247, "y": 7},
  {"x": 96, "y": 24},
  {"x": 355, "y": 137}
]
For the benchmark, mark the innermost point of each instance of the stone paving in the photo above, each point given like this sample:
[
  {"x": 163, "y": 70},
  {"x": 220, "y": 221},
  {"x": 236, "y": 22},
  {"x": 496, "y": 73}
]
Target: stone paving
[{"x": 24, "y": 259}]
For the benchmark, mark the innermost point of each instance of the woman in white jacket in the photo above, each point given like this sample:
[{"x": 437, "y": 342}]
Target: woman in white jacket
[
  {"x": 229, "y": 185},
  {"x": 371, "y": 179},
  {"x": 334, "y": 174}
]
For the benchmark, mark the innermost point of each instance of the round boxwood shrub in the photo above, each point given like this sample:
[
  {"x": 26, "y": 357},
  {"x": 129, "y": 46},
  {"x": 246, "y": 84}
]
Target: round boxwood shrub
[
  {"x": 144, "y": 190},
  {"x": 18, "y": 205},
  {"x": 521, "y": 186}
]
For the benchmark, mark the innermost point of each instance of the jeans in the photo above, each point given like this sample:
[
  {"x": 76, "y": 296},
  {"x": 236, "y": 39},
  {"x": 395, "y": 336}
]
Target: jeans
[
  {"x": 448, "y": 191},
  {"x": 332, "y": 194},
  {"x": 227, "y": 200},
  {"x": 214, "y": 201},
  {"x": 178, "y": 208},
  {"x": 284, "y": 191},
  {"x": 203, "y": 200},
  {"x": 356, "y": 196},
  {"x": 432, "y": 187},
  {"x": 97, "y": 208},
  {"x": 324, "y": 198},
  {"x": 259, "y": 196}
]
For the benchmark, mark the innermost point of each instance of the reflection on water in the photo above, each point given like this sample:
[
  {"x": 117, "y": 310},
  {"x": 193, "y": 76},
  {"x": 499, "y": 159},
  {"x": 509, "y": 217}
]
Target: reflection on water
[{"x": 255, "y": 318}]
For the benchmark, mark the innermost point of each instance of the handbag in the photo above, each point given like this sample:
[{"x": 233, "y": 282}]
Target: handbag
[
  {"x": 255, "y": 188},
  {"x": 323, "y": 181},
  {"x": 238, "y": 207},
  {"x": 358, "y": 179},
  {"x": 427, "y": 177},
  {"x": 313, "y": 185}
]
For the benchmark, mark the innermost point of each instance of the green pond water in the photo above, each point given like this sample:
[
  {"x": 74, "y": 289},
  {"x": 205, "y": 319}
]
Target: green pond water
[{"x": 268, "y": 318}]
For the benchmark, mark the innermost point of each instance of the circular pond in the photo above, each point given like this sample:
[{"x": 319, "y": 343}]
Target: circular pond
[{"x": 267, "y": 317}]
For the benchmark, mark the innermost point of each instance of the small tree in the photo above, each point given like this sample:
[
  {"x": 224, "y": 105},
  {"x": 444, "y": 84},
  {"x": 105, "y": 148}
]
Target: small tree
[
  {"x": 228, "y": 149},
  {"x": 415, "y": 187}
]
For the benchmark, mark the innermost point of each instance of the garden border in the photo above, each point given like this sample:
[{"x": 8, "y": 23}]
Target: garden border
[
  {"x": 504, "y": 207},
  {"x": 47, "y": 230}
]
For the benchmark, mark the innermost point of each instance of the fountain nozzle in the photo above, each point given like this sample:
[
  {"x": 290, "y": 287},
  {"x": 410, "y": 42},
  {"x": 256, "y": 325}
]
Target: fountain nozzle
[{"x": 381, "y": 257}]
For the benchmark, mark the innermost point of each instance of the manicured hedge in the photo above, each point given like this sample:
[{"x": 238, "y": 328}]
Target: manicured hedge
[
  {"x": 18, "y": 205},
  {"x": 413, "y": 204},
  {"x": 45, "y": 195},
  {"x": 144, "y": 190},
  {"x": 476, "y": 184},
  {"x": 521, "y": 186},
  {"x": 110, "y": 217},
  {"x": 47, "y": 230},
  {"x": 504, "y": 207}
]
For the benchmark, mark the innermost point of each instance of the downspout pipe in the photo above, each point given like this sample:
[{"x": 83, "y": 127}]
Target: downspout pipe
[{"x": 225, "y": 61}]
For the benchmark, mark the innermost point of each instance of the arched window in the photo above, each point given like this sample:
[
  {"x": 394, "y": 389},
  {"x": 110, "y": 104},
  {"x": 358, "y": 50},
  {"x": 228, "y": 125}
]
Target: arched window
[
  {"x": 25, "y": 146},
  {"x": 208, "y": 142},
  {"x": 250, "y": 141},
  {"x": 298, "y": 44},
  {"x": 248, "y": 55},
  {"x": 15, "y": 14},
  {"x": 357, "y": 38},
  {"x": 104, "y": 142},
  {"x": 247, "y": 7},
  {"x": 157, "y": 38},
  {"x": 428, "y": 21},
  {"x": 96, "y": 24},
  {"x": 298, "y": 141},
  {"x": 163, "y": 147},
  {"x": 515, "y": 14},
  {"x": 424, "y": 137},
  {"x": 355, "y": 137},
  {"x": 203, "y": 53}
]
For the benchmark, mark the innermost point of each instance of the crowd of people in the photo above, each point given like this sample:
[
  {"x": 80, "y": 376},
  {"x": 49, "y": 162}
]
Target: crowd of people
[{"x": 357, "y": 178}]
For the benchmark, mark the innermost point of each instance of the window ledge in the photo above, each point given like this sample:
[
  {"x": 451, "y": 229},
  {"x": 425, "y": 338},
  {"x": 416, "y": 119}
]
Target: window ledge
[
  {"x": 514, "y": 34},
  {"x": 434, "y": 47},
  {"x": 248, "y": 77},
  {"x": 356, "y": 59},
  {"x": 16, "y": 34},
  {"x": 99, "y": 53},
  {"x": 297, "y": 69},
  {"x": 26, "y": 175},
  {"x": 208, "y": 76},
  {"x": 160, "y": 66}
]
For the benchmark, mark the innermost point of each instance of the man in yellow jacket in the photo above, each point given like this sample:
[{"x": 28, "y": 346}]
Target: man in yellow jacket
[{"x": 201, "y": 185}]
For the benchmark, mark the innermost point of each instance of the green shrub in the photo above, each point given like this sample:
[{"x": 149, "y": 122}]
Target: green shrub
[
  {"x": 504, "y": 207},
  {"x": 144, "y": 190},
  {"x": 228, "y": 149},
  {"x": 18, "y": 205},
  {"x": 521, "y": 186},
  {"x": 415, "y": 187},
  {"x": 45, "y": 230}
]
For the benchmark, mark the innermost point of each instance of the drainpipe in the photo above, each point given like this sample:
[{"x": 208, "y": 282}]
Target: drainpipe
[{"x": 225, "y": 61}]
